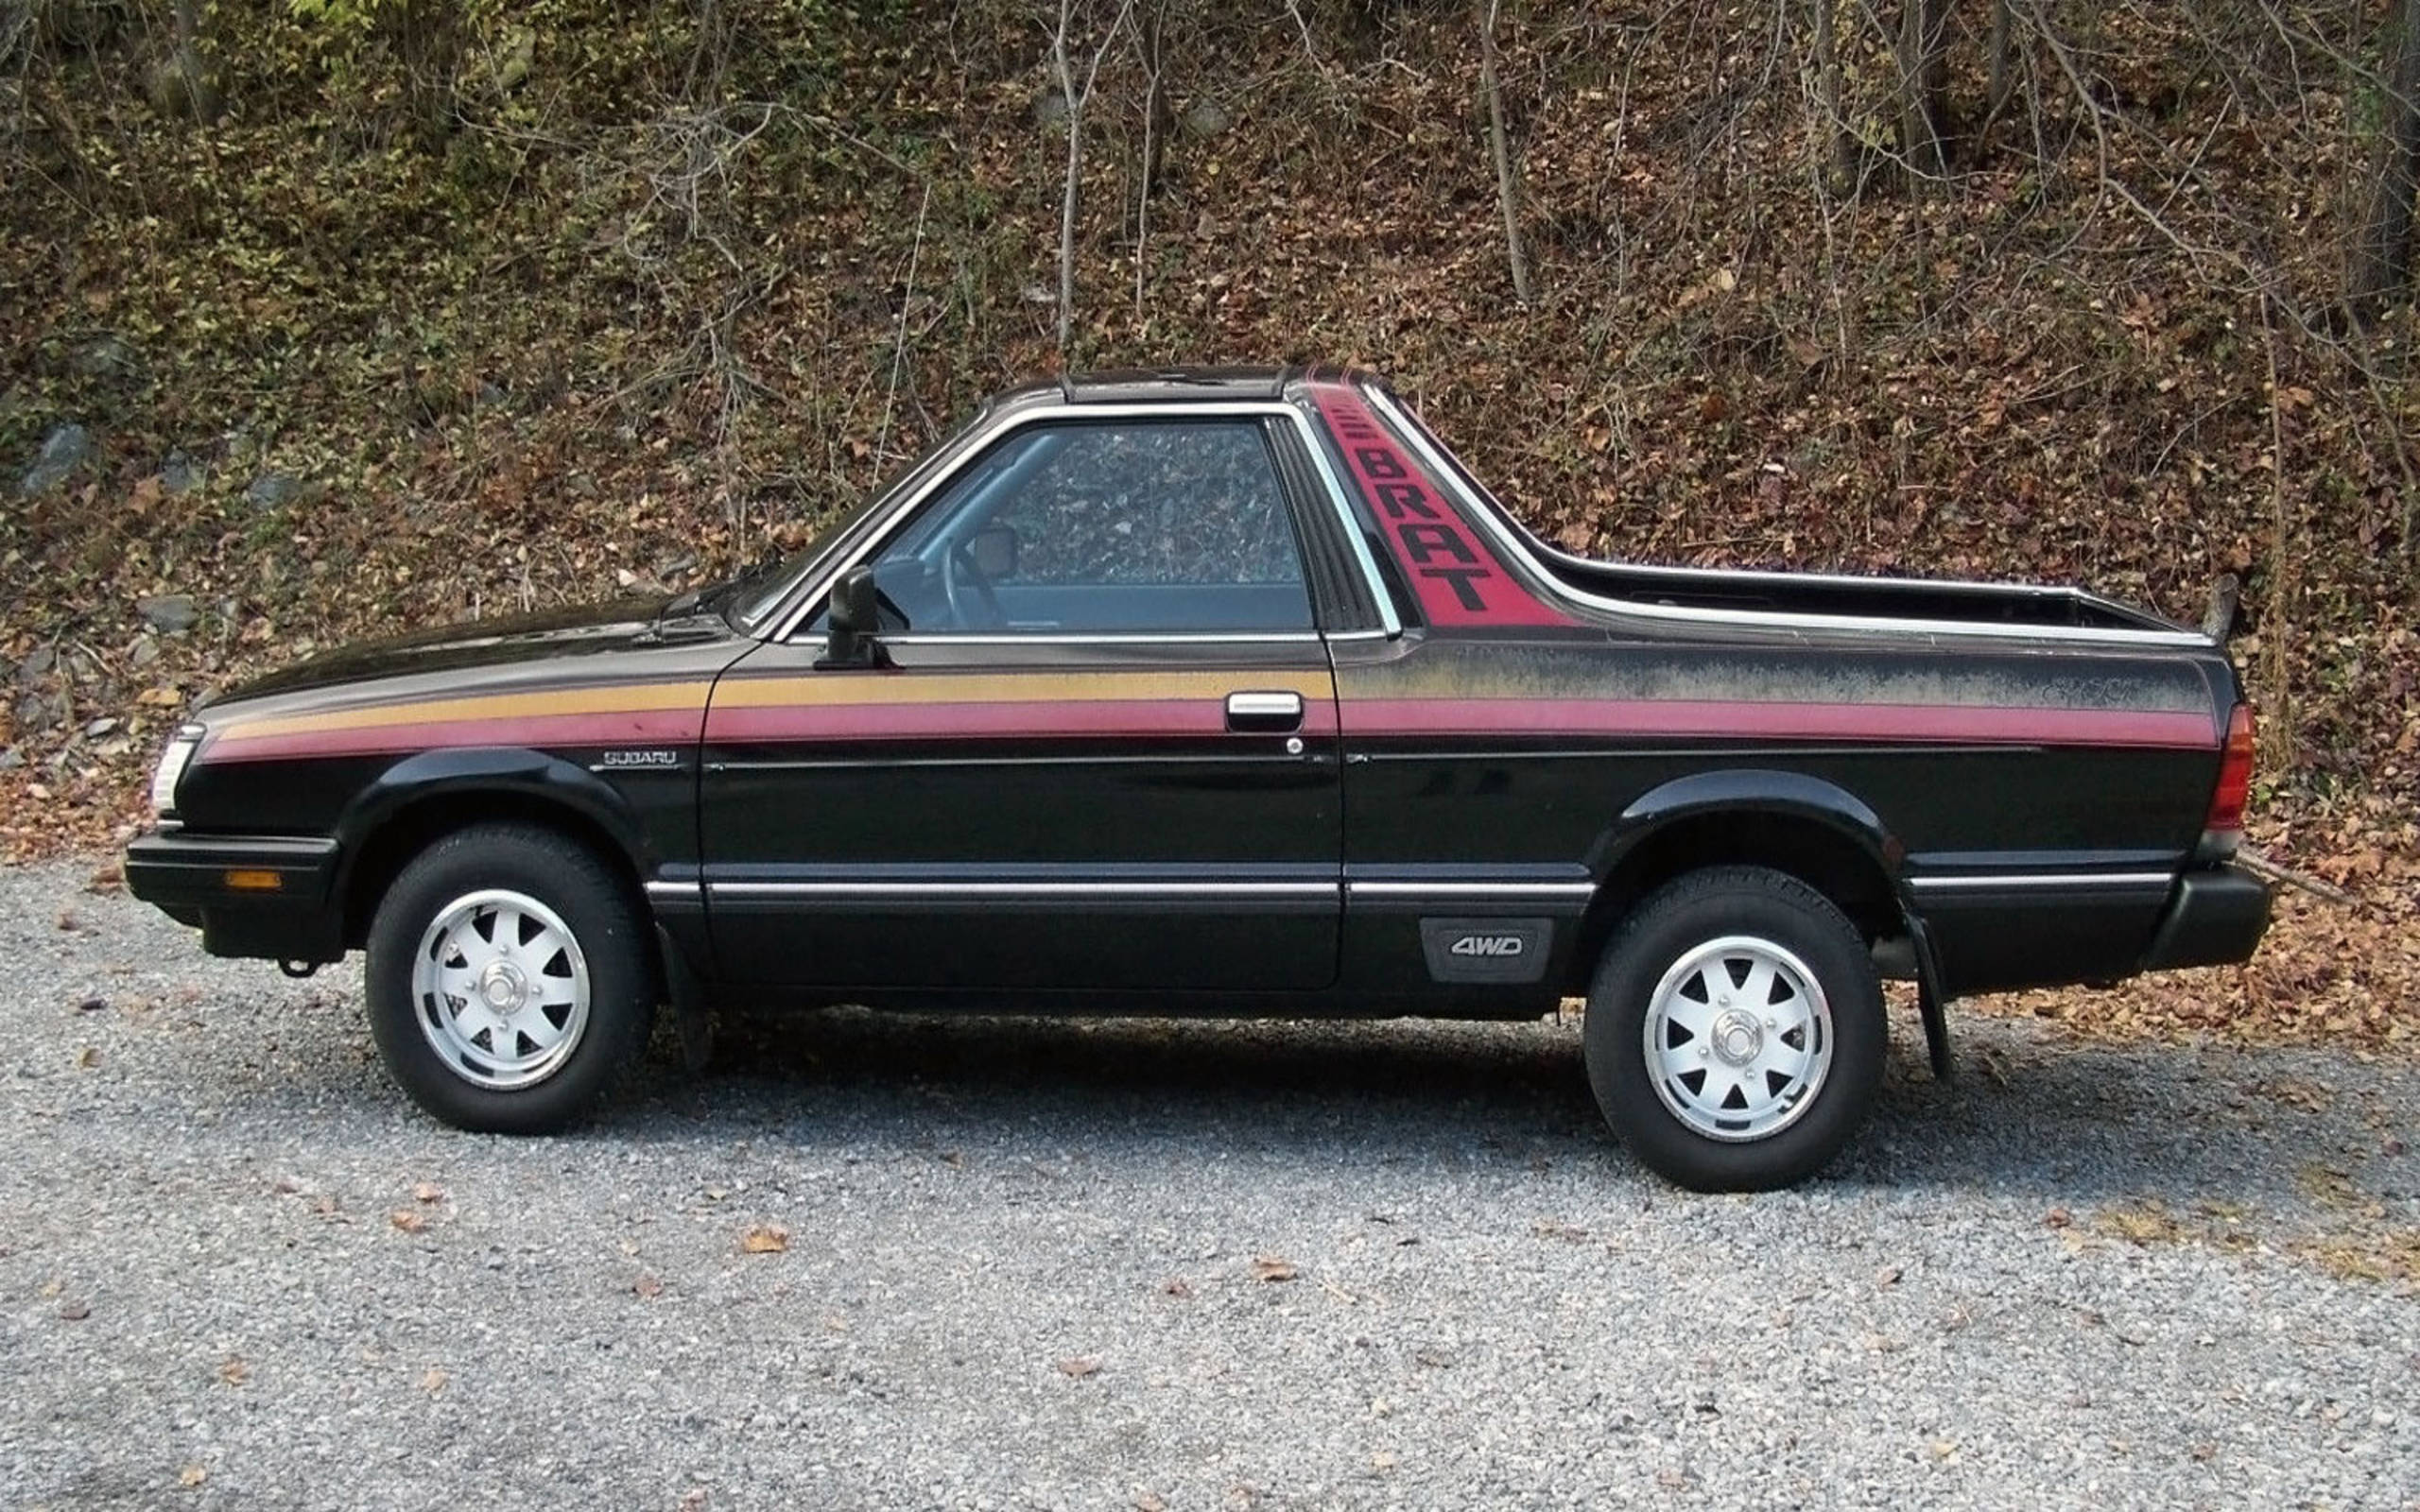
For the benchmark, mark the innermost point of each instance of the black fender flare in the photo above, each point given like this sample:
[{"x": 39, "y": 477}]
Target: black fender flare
[
  {"x": 1797, "y": 795},
  {"x": 1748, "y": 789},
  {"x": 487, "y": 771}
]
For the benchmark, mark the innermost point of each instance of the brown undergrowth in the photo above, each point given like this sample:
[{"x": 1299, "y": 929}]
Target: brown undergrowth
[{"x": 640, "y": 305}]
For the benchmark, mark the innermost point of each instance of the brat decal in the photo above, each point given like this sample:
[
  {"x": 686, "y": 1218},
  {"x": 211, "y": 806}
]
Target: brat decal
[{"x": 1459, "y": 581}]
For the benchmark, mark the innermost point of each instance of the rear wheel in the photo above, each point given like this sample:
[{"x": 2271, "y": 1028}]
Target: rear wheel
[
  {"x": 1735, "y": 1032},
  {"x": 509, "y": 979}
]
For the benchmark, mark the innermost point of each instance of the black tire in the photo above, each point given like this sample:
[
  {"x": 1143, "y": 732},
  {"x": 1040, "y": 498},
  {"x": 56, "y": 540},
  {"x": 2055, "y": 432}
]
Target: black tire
[
  {"x": 1682, "y": 922},
  {"x": 594, "y": 903}
]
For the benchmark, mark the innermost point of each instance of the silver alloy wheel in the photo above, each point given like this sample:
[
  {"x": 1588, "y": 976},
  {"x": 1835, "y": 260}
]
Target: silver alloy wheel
[
  {"x": 1738, "y": 1039},
  {"x": 500, "y": 988}
]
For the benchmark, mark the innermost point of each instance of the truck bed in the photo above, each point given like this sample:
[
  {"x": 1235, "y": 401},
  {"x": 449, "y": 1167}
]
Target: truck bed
[{"x": 1847, "y": 597}]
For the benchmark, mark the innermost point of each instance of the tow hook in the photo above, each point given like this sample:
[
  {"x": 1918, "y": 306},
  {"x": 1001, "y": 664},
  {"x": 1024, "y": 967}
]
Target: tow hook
[{"x": 299, "y": 969}]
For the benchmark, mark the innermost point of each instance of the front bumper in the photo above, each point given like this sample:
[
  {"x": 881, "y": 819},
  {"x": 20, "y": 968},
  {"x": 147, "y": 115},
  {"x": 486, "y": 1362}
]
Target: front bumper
[
  {"x": 2217, "y": 918},
  {"x": 188, "y": 878}
]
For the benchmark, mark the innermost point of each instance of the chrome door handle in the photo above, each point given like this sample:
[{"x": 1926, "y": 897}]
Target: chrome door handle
[{"x": 1269, "y": 713}]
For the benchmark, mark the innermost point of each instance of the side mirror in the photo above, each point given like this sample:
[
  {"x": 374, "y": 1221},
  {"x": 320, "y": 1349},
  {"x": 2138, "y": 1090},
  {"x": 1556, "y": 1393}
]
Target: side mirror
[
  {"x": 854, "y": 621},
  {"x": 993, "y": 549}
]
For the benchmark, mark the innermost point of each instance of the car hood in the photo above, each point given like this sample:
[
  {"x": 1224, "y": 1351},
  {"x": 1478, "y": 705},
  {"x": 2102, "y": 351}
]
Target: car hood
[{"x": 568, "y": 638}]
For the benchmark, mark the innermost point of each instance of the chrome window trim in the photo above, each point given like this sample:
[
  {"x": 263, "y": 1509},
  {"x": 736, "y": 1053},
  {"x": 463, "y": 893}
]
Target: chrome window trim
[
  {"x": 1517, "y": 544},
  {"x": 1389, "y": 623},
  {"x": 785, "y": 625}
]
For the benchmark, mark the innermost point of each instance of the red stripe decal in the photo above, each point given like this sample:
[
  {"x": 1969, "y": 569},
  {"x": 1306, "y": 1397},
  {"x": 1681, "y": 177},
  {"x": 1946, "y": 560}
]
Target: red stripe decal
[
  {"x": 1939, "y": 723},
  {"x": 1365, "y": 717},
  {"x": 1459, "y": 581},
  {"x": 871, "y": 721}
]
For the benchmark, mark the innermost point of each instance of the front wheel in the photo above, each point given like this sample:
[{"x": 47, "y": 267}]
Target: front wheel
[
  {"x": 1735, "y": 1032},
  {"x": 508, "y": 981}
]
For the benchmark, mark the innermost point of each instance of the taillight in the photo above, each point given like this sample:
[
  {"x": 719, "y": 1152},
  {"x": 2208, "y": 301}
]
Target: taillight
[{"x": 2224, "y": 826}]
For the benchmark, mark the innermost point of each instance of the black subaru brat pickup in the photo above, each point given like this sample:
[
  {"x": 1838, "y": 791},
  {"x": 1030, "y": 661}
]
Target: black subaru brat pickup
[{"x": 1231, "y": 692}]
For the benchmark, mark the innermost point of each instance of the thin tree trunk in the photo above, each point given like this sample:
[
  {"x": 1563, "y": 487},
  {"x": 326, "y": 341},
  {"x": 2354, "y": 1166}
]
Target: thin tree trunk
[
  {"x": 2382, "y": 262},
  {"x": 1827, "y": 84},
  {"x": 1998, "y": 80},
  {"x": 1508, "y": 190},
  {"x": 2276, "y": 628},
  {"x": 200, "y": 89},
  {"x": 1155, "y": 103},
  {"x": 1924, "y": 87},
  {"x": 1075, "y": 173}
]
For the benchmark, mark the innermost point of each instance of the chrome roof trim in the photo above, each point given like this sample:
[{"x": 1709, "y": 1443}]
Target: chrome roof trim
[{"x": 786, "y": 622}]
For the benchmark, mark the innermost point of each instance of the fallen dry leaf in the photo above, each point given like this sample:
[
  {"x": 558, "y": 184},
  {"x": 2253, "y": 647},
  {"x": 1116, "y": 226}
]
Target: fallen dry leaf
[
  {"x": 428, "y": 1192},
  {"x": 1079, "y": 1365},
  {"x": 1149, "y": 1502},
  {"x": 764, "y": 1239},
  {"x": 1887, "y": 1276},
  {"x": 2058, "y": 1218},
  {"x": 408, "y": 1221},
  {"x": 432, "y": 1381},
  {"x": 87, "y": 1058},
  {"x": 1271, "y": 1269},
  {"x": 111, "y": 878},
  {"x": 648, "y": 1287},
  {"x": 234, "y": 1371},
  {"x": 191, "y": 1476}
]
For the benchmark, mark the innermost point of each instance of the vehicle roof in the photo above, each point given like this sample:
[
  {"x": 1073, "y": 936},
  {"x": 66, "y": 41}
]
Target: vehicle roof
[{"x": 1175, "y": 385}]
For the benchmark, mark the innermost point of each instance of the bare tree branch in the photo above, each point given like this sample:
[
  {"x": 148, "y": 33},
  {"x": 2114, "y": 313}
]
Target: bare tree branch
[{"x": 1508, "y": 191}]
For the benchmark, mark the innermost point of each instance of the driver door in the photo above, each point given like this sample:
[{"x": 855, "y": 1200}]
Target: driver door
[{"x": 1103, "y": 754}]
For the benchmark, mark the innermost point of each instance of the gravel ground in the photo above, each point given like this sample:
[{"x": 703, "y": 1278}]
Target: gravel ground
[{"x": 1126, "y": 1263}]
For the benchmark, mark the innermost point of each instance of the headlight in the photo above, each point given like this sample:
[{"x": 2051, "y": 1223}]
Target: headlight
[{"x": 172, "y": 771}]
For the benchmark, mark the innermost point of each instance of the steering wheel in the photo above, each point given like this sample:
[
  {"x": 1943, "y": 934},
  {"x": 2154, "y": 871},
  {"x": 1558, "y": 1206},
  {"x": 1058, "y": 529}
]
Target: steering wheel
[{"x": 964, "y": 585}]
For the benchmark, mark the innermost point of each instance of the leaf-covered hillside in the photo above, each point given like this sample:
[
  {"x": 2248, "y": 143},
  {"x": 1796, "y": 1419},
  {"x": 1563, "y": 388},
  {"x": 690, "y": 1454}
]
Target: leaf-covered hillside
[{"x": 321, "y": 318}]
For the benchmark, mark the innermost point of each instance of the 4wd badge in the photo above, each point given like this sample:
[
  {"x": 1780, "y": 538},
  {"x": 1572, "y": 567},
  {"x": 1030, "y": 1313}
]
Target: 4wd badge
[{"x": 1486, "y": 950}]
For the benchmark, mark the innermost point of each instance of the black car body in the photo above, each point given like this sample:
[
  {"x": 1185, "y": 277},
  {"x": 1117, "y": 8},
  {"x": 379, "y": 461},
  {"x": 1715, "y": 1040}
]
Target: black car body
[{"x": 1232, "y": 692}]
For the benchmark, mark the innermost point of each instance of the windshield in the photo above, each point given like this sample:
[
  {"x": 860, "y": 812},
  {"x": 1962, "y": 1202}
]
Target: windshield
[{"x": 753, "y": 603}]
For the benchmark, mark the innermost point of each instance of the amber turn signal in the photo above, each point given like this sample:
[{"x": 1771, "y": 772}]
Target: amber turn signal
[{"x": 253, "y": 880}]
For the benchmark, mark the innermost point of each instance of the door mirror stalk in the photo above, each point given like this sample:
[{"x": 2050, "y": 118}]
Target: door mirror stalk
[{"x": 854, "y": 624}]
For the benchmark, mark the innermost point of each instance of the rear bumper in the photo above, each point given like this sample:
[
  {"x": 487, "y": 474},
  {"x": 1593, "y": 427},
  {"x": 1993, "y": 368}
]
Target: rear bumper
[
  {"x": 2217, "y": 918},
  {"x": 186, "y": 877}
]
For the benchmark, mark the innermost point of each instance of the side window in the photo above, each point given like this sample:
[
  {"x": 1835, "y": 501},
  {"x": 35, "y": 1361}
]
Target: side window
[{"x": 1089, "y": 527}]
